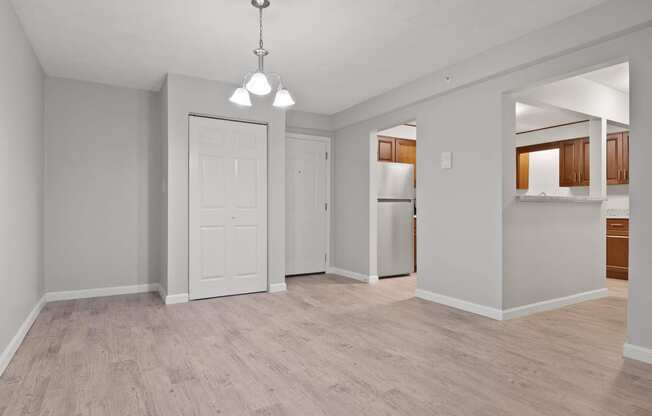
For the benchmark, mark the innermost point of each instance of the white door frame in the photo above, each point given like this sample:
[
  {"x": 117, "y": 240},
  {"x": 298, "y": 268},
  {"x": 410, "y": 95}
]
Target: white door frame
[
  {"x": 327, "y": 141},
  {"x": 238, "y": 120}
]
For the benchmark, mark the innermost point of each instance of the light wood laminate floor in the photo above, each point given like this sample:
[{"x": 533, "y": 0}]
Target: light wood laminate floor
[{"x": 328, "y": 346}]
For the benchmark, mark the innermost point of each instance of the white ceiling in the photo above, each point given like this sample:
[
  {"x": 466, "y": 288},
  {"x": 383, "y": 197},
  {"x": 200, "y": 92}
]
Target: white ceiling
[
  {"x": 403, "y": 131},
  {"x": 529, "y": 117},
  {"x": 616, "y": 77},
  {"x": 332, "y": 54}
]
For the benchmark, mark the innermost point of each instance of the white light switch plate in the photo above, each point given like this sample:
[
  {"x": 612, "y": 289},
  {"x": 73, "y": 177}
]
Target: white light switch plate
[{"x": 446, "y": 160}]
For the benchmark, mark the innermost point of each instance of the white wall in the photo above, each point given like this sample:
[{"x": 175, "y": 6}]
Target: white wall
[
  {"x": 21, "y": 177},
  {"x": 103, "y": 186},
  {"x": 572, "y": 131},
  {"x": 459, "y": 250},
  {"x": 640, "y": 154},
  {"x": 303, "y": 122},
  {"x": 192, "y": 95}
]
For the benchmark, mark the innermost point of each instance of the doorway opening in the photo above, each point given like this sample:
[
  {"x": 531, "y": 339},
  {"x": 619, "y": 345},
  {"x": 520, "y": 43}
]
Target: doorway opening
[
  {"x": 567, "y": 229},
  {"x": 393, "y": 198}
]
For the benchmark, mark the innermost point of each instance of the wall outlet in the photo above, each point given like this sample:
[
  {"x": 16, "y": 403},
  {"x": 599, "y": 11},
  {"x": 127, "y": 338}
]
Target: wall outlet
[{"x": 446, "y": 160}]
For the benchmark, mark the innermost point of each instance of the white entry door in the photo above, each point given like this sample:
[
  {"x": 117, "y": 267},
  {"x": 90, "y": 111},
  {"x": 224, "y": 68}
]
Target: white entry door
[
  {"x": 228, "y": 208},
  {"x": 306, "y": 197}
]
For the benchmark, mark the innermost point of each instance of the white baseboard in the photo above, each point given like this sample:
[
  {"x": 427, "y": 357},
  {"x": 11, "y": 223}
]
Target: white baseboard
[
  {"x": 277, "y": 287},
  {"x": 178, "y": 298},
  {"x": 637, "y": 353},
  {"x": 104, "y": 291},
  {"x": 161, "y": 292},
  {"x": 15, "y": 342},
  {"x": 487, "y": 311},
  {"x": 554, "y": 303},
  {"x": 352, "y": 275},
  {"x": 171, "y": 299}
]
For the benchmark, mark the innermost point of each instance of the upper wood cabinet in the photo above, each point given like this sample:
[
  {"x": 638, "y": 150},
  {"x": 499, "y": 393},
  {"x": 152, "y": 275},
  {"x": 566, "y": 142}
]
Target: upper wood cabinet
[
  {"x": 618, "y": 158},
  {"x": 386, "y": 149},
  {"x": 406, "y": 152},
  {"x": 571, "y": 161},
  {"x": 391, "y": 149},
  {"x": 574, "y": 161}
]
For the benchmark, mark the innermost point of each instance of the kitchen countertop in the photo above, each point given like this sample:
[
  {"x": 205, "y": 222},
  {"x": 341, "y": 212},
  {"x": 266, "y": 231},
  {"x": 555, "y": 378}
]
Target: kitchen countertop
[
  {"x": 618, "y": 213},
  {"x": 554, "y": 198}
]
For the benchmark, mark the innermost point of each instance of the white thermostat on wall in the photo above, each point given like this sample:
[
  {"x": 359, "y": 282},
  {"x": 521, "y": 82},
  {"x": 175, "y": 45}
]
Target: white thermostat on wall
[{"x": 446, "y": 160}]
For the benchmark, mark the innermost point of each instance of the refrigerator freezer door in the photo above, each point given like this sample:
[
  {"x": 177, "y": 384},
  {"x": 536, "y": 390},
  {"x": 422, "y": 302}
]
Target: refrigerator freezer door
[
  {"x": 395, "y": 181},
  {"x": 395, "y": 239}
]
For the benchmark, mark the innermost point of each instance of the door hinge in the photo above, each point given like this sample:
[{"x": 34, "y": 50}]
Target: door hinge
[
  {"x": 326, "y": 155},
  {"x": 325, "y": 258}
]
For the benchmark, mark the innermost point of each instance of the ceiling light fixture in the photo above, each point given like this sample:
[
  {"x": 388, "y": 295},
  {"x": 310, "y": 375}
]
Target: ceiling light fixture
[{"x": 257, "y": 82}]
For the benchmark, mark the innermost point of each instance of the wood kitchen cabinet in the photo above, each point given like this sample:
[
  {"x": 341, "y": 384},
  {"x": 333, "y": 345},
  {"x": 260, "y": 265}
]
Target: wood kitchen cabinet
[
  {"x": 571, "y": 162},
  {"x": 391, "y": 149},
  {"x": 574, "y": 161},
  {"x": 406, "y": 152},
  {"x": 386, "y": 149},
  {"x": 618, "y": 248},
  {"x": 618, "y": 158}
]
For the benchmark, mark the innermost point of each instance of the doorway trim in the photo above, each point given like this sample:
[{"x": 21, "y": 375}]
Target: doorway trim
[{"x": 326, "y": 140}]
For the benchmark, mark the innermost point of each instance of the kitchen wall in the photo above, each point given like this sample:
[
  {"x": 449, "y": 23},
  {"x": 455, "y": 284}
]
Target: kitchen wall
[
  {"x": 186, "y": 95},
  {"x": 21, "y": 180},
  {"x": 103, "y": 186}
]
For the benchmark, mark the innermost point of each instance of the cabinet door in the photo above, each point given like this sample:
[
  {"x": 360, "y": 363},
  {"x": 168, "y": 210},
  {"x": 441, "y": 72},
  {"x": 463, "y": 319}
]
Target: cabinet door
[
  {"x": 585, "y": 171},
  {"x": 569, "y": 163},
  {"x": 614, "y": 158},
  {"x": 522, "y": 170},
  {"x": 625, "y": 157},
  {"x": 386, "y": 149},
  {"x": 406, "y": 152}
]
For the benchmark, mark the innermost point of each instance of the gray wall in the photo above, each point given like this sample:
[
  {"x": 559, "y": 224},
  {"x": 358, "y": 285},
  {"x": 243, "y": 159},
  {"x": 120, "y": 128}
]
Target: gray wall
[
  {"x": 21, "y": 176},
  {"x": 459, "y": 214},
  {"x": 640, "y": 193},
  {"x": 103, "y": 186},
  {"x": 192, "y": 95},
  {"x": 308, "y": 123}
]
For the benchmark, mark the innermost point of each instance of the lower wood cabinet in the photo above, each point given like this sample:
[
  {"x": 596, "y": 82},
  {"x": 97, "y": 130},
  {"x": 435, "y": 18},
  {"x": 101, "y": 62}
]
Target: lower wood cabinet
[{"x": 618, "y": 248}]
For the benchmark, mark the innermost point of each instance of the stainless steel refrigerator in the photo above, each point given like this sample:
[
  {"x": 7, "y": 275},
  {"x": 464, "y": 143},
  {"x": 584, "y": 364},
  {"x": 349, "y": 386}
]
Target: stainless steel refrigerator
[{"x": 395, "y": 219}]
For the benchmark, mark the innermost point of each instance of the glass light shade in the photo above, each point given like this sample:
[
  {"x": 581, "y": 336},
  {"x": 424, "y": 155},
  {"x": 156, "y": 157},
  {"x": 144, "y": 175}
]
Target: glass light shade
[
  {"x": 258, "y": 84},
  {"x": 241, "y": 97},
  {"x": 283, "y": 98}
]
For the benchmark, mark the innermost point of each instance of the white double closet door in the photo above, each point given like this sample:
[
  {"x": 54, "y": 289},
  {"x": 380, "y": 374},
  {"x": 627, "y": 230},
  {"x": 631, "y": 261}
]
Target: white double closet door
[{"x": 228, "y": 208}]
